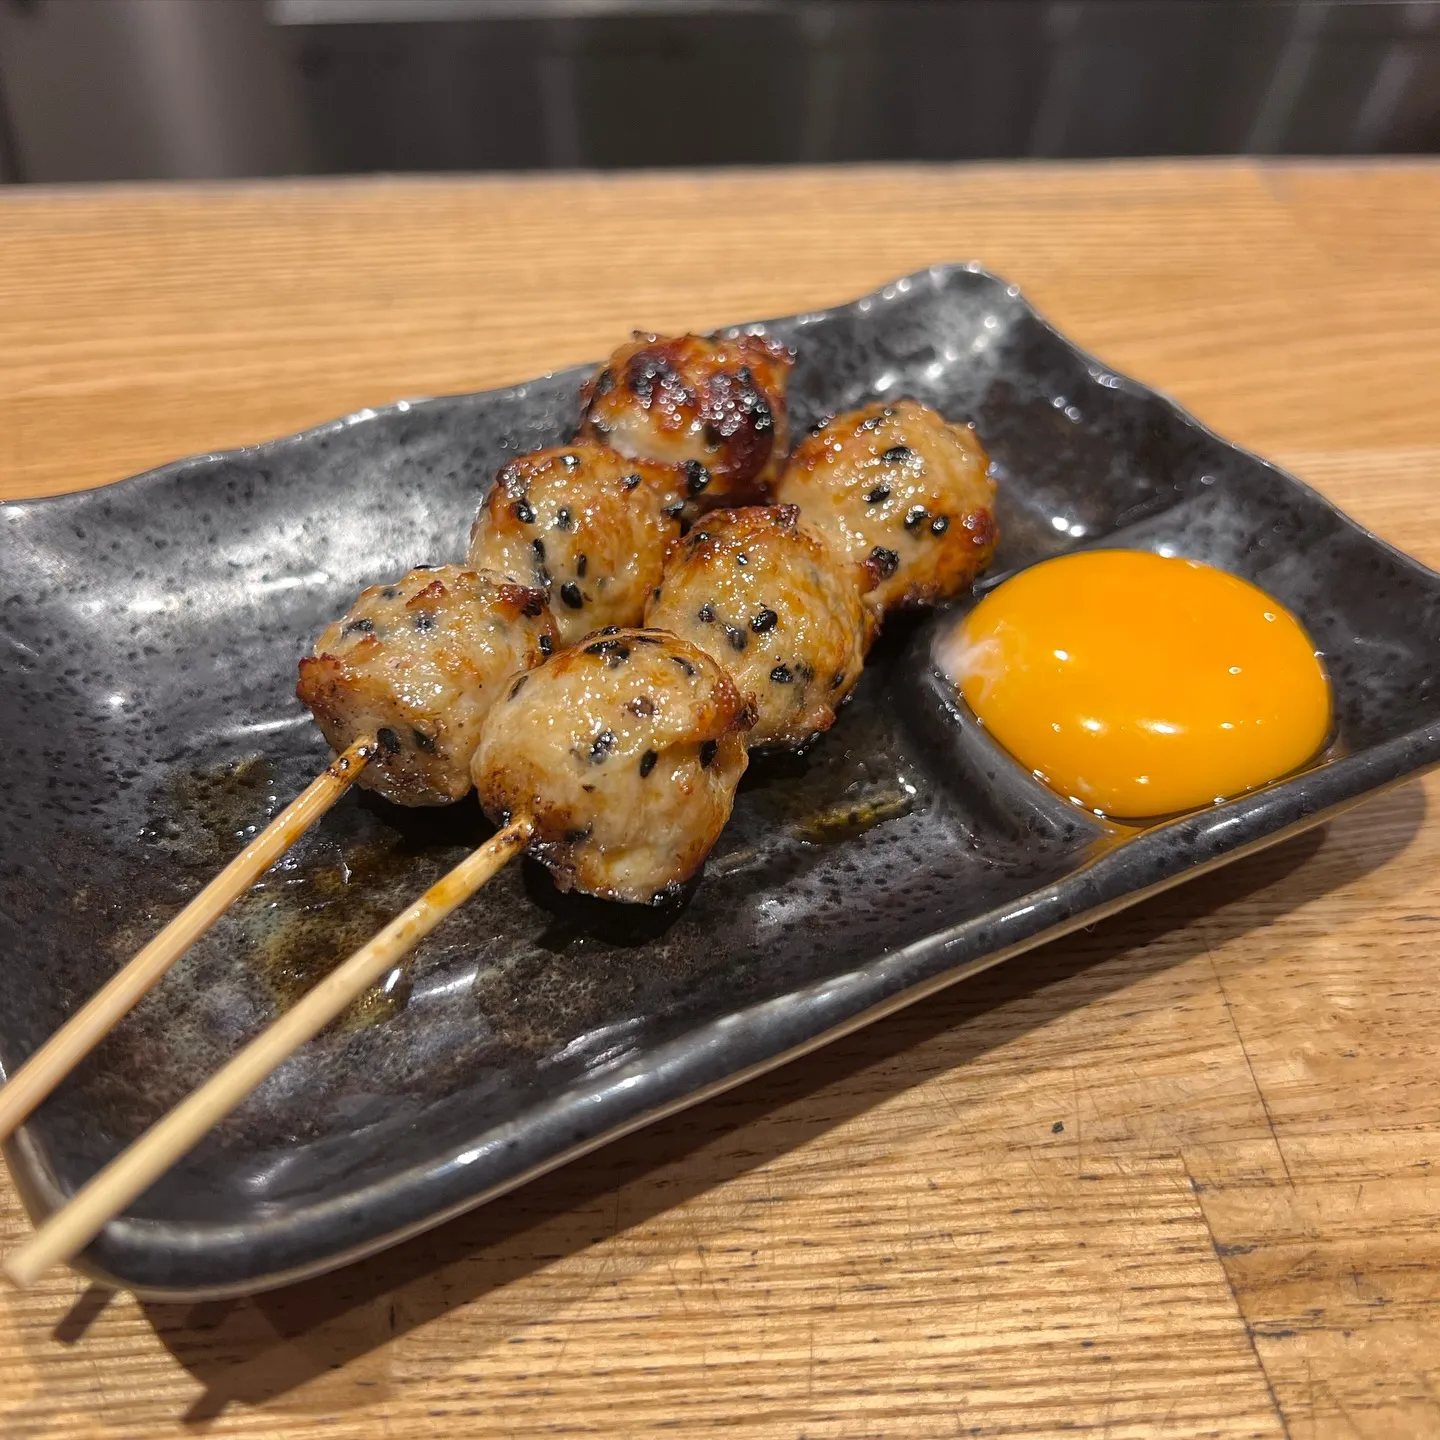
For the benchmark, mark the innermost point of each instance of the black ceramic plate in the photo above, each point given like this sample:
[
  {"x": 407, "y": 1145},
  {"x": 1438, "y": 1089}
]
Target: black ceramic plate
[{"x": 150, "y": 632}]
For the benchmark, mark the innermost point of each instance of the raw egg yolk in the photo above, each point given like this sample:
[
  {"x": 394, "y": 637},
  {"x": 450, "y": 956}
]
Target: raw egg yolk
[{"x": 1140, "y": 685}]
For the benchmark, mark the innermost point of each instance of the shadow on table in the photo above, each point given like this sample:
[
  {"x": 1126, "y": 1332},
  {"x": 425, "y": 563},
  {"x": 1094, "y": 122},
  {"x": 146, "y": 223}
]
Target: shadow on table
[{"x": 253, "y": 1350}]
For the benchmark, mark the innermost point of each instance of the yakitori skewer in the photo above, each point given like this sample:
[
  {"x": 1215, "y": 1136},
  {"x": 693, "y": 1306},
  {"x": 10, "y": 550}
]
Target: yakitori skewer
[
  {"x": 614, "y": 762},
  {"x": 626, "y": 751},
  {"x": 564, "y": 762}
]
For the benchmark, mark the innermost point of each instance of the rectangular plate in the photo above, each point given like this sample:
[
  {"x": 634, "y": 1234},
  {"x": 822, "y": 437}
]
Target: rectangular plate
[{"x": 150, "y": 633}]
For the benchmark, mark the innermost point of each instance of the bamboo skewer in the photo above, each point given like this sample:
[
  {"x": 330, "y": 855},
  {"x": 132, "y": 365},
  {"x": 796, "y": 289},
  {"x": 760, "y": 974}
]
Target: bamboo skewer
[
  {"x": 134, "y": 1170},
  {"x": 60, "y": 1054}
]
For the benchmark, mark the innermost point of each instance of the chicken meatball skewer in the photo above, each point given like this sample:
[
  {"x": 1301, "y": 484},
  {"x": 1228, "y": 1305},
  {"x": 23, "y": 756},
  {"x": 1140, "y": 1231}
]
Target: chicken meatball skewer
[
  {"x": 617, "y": 759},
  {"x": 613, "y": 838}
]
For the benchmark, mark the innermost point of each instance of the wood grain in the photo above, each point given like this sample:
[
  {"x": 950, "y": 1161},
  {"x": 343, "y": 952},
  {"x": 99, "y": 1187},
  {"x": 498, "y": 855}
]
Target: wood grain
[{"x": 1171, "y": 1176}]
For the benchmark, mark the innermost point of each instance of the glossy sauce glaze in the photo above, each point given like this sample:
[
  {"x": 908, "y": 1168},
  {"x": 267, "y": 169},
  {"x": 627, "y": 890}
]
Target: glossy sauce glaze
[{"x": 1141, "y": 685}]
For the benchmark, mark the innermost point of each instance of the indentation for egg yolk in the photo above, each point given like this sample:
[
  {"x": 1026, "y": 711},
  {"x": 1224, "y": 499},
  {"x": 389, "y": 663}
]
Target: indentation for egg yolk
[{"x": 1139, "y": 684}]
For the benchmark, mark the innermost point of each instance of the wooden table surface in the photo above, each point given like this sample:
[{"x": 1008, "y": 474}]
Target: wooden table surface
[{"x": 1172, "y": 1176}]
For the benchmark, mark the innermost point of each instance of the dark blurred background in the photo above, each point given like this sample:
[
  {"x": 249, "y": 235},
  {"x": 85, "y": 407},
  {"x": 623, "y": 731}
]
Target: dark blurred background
[{"x": 134, "y": 89}]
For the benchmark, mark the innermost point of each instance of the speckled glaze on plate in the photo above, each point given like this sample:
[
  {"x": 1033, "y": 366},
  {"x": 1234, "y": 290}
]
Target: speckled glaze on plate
[{"x": 150, "y": 632}]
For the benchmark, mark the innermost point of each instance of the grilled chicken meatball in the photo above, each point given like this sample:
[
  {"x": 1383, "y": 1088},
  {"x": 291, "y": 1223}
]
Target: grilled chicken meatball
[
  {"x": 417, "y": 664},
  {"x": 901, "y": 492},
  {"x": 715, "y": 405},
  {"x": 625, "y": 751},
  {"x": 764, "y": 597},
  {"x": 586, "y": 526}
]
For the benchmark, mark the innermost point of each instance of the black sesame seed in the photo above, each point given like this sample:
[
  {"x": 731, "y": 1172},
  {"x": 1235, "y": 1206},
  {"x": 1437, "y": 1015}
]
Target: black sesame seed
[
  {"x": 641, "y": 705},
  {"x": 563, "y": 520},
  {"x": 518, "y": 686},
  {"x": 362, "y": 626},
  {"x": 706, "y": 613},
  {"x": 879, "y": 493},
  {"x": 684, "y": 664},
  {"x": 742, "y": 559},
  {"x": 887, "y": 562},
  {"x": 838, "y": 679},
  {"x": 738, "y": 639},
  {"x": 697, "y": 477},
  {"x": 538, "y": 546},
  {"x": 534, "y": 604},
  {"x": 940, "y": 524},
  {"x": 570, "y": 594},
  {"x": 389, "y": 740},
  {"x": 781, "y": 675},
  {"x": 424, "y": 620},
  {"x": 547, "y": 646},
  {"x": 571, "y": 462},
  {"x": 582, "y": 563},
  {"x": 674, "y": 510},
  {"x": 630, "y": 482},
  {"x": 601, "y": 747},
  {"x": 707, "y": 753},
  {"x": 608, "y": 630},
  {"x": 424, "y": 742},
  {"x": 523, "y": 512},
  {"x": 898, "y": 454},
  {"x": 577, "y": 837},
  {"x": 647, "y": 763},
  {"x": 389, "y": 593},
  {"x": 764, "y": 621},
  {"x": 916, "y": 515}
]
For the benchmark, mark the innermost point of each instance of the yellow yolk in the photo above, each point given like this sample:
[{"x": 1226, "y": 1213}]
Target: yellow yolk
[{"x": 1141, "y": 685}]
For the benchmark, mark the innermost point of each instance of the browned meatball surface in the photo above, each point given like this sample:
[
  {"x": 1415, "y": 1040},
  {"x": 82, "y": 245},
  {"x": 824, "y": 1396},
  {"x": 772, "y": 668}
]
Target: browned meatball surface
[
  {"x": 417, "y": 664},
  {"x": 625, "y": 751},
  {"x": 584, "y": 524},
  {"x": 714, "y": 404},
  {"x": 902, "y": 493},
  {"x": 763, "y": 596}
]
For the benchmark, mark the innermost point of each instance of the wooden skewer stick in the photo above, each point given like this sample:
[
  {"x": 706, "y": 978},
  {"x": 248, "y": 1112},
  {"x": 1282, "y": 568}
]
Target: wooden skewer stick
[
  {"x": 79, "y": 1035},
  {"x": 133, "y": 1171}
]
